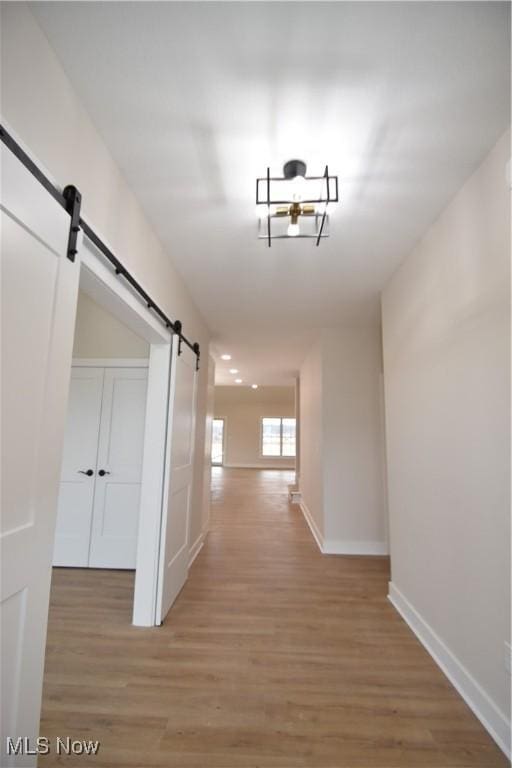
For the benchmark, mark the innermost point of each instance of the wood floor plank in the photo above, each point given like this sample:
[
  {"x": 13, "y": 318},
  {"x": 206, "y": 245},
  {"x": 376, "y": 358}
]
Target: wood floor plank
[{"x": 273, "y": 656}]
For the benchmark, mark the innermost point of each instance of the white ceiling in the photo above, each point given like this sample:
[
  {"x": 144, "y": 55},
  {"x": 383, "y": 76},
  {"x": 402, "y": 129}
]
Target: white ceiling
[{"x": 194, "y": 100}]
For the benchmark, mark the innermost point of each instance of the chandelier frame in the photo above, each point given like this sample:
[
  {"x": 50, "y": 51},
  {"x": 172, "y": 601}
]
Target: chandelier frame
[{"x": 264, "y": 199}]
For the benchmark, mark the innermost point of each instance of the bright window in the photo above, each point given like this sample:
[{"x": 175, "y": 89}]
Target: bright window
[
  {"x": 218, "y": 441},
  {"x": 277, "y": 437}
]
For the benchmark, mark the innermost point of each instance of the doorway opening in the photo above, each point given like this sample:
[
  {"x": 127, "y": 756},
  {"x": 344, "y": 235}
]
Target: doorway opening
[
  {"x": 255, "y": 428},
  {"x": 218, "y": 442},
  {"x": 114, "y": 458},
  {"x": 99, "y": 494}
]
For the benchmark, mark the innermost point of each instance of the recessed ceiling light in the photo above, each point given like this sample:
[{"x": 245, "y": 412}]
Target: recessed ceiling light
[
  {"x": 225, "y": 357},
  {"x": 233, "y": 370},
  {"x": 238, "y": 381},
  {"x": 254, "y": 386}
]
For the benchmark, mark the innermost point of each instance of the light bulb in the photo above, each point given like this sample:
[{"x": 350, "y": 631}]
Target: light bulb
[
  {"x": 225, "y": 357},
  {"x": 293, "y": 230},
  {"x": 238, "y": 381},
  {"x": 254, "y": 386},
  {"x": 233, "y": 370},
  {"x": 298, "y": 188}
]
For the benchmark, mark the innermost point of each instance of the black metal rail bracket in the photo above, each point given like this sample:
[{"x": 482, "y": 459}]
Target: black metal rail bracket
[
  {"x": 197, "y": 350},
  {"x": 73, "y": 200},
  {"x": 177, "y": 330}
]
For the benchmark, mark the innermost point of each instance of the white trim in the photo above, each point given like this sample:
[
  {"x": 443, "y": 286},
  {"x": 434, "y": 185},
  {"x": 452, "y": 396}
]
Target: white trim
[
  {"x": 471, "y": 691},
  {"x": 375, "y": 548},
  {"x": 197, "y": 546},
  {"x": 255, "y": 466},
  {"x": 110, "y": 362},
  {"x": 312, "y": 525},
  {"x": 277, "y": 458}
]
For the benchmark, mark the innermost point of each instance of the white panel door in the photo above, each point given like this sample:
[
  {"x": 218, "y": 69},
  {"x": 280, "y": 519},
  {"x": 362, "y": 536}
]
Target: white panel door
[
  {"x": 174, "y": 539},
  {"x": 76, "y": 493},
  {"x": 118, "y": 477},
  {"x": 39, "y": 296}
]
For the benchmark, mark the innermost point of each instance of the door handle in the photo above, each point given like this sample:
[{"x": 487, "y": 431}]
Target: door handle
[
  {"x": 88, "y": 472},
  {"x": 103, "y": 472}
]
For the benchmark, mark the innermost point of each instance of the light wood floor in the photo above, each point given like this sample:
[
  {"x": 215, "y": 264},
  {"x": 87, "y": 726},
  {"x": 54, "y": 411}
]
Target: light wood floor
[{"x": 273, "y": 656}]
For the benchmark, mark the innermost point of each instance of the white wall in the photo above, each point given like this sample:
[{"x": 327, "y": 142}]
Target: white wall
[
  {"x": 311, "y": 481},
  {"x": 354, "y": 507},
  {"x": 100, "y": 334},
  {"x": 41, "y": 108},
  {"x": 342, "y": 443},
  {"x": 243, "y": 408},
  {"x": 446, "y": 330}
]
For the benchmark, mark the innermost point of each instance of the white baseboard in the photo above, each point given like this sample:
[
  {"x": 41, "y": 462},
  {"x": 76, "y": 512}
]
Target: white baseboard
[
  {"x": 197, "y": 547},
  {"x": 331, "y": 547},
  {"x": 473, "y": 694},
  {"x": 259, "y": 466},
  {"x": 312, "y": 525}
]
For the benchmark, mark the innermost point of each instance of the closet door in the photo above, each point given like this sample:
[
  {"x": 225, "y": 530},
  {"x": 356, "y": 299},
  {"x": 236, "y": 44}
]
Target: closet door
[
  {"x": 76, "y": 493},
  {"x": 118, "y": 476}
]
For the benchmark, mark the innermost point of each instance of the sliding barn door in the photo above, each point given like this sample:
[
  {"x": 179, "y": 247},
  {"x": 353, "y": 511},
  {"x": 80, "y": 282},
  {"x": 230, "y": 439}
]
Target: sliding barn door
[
  {"x": 39, "y": 295},
  {"x": 174, "y": 539}
]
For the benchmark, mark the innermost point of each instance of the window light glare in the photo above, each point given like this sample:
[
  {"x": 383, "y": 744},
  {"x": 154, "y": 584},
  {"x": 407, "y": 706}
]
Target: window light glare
[{"x": 225, "y": 357}]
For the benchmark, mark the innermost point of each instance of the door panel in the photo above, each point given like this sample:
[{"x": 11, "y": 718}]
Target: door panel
[
  {"x": 174, "y": 551},
  {"x": 39, "y": 295},
  {"x": 117, "y": 493},
  {"x": 123, "y": 425},
  {"x": 177, "y": 525},
  {"x": 76, "y": 494},
  {"x": 183, "y": 419},
  {"x": 18, "y": 496},
  {"x": 117, "y": 520}
]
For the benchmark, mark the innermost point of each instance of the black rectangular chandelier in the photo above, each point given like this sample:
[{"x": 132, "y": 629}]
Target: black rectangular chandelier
[{"x": 295, "y": 205}]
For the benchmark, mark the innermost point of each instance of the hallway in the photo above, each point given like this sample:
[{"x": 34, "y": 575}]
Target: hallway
[{"x": 272, "y": 656}]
